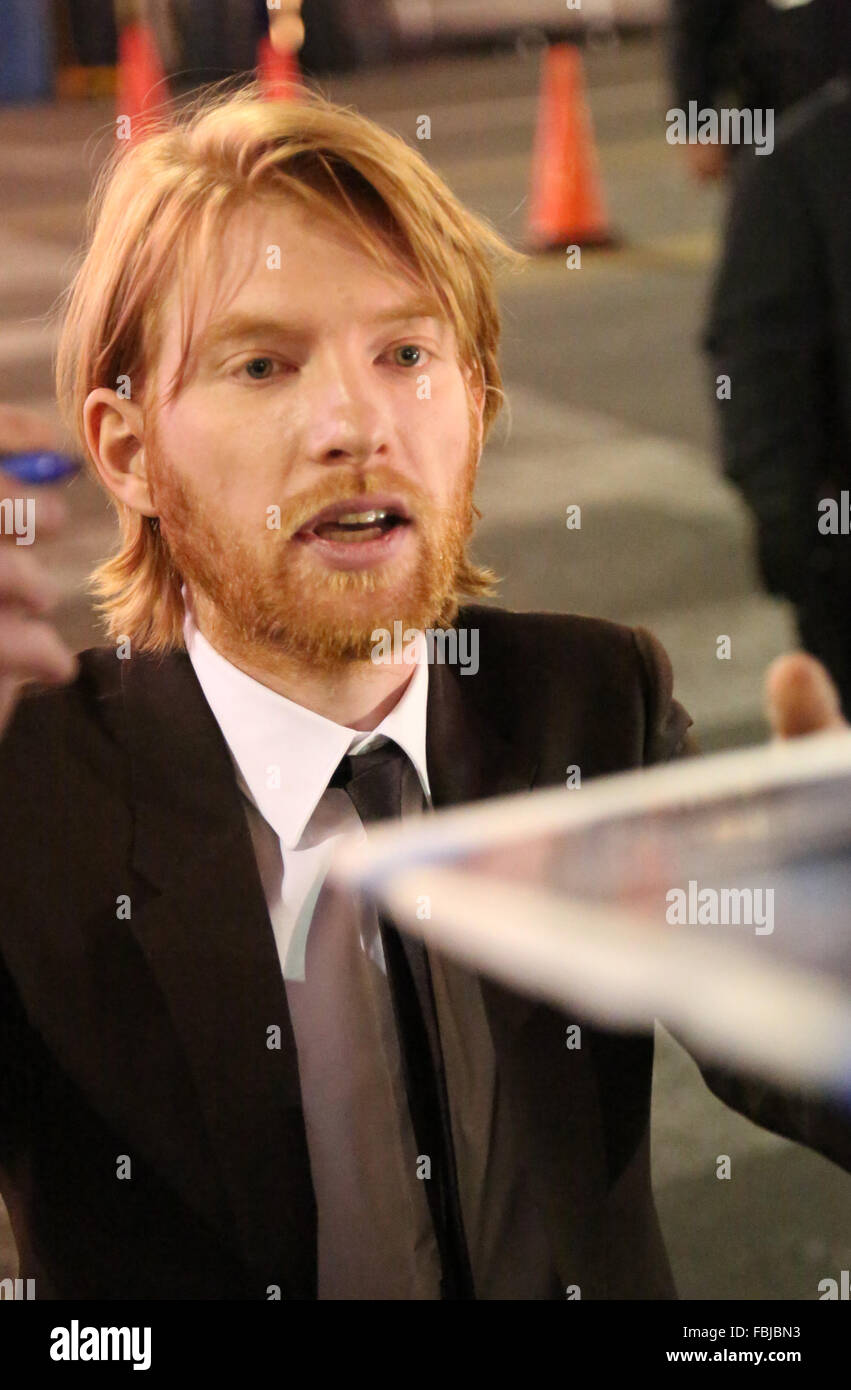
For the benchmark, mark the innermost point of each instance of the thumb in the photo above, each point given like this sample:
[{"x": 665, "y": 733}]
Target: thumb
[{"x": 800, "y": 697}]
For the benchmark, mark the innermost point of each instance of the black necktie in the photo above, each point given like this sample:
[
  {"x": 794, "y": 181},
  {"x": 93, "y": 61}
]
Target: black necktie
[{"x": 377, "y": 782}]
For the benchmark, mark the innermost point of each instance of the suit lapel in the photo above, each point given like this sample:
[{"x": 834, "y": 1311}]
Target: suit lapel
[
  {"x": 468, "y": 756},
  {"x": 469, "y": 759},
  {"x": 552, "y": 1091},
  {"x": 208, "y": 942}
]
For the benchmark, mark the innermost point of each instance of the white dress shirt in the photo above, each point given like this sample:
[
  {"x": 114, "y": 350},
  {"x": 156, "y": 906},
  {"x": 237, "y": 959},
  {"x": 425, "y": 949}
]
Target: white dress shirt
[{"x": 284, "y": 756}]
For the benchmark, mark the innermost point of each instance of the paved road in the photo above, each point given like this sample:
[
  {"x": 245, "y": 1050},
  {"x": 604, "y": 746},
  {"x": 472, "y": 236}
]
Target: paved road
[{"x": 610, "y": 410}]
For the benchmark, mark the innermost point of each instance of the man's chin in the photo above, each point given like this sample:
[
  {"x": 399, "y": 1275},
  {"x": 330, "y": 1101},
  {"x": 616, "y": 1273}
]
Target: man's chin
[
  {"x": 354, "y": 603},
  {"x": 331, "y": 624},
  {"x": 350, "y": 629}
]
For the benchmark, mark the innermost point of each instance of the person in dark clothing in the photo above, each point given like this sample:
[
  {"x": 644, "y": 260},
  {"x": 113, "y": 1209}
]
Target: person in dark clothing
[
  {"x": 265, "y": 1059},
  {"x": 92, "y": 27},
  {"x": 756, "y": 54},
  {"x": 780, "y": 332}
]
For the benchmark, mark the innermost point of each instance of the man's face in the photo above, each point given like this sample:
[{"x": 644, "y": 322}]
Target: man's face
[{"x": 314, "y": 475}]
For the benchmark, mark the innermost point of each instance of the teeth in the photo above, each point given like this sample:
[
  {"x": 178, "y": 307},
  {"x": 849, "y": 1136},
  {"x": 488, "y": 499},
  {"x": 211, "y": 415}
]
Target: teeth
[{"x": 362, "y": 518}]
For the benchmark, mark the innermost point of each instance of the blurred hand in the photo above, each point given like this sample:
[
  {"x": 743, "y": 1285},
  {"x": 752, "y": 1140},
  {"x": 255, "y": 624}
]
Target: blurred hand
[
  {"x": 30, "y": 648},
  {"x": 286, "y": 29},
  {"x": 800, "y": 697},
  {"x": 23, "y": 430},
  {"x": 707, "y": 163}
]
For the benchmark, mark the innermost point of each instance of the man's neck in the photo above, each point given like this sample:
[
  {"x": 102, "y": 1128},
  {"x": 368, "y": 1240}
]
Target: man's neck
[{"x": 356, "y": 694}]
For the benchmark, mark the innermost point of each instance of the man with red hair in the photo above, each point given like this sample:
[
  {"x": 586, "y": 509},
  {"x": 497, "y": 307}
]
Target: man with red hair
[{"x": 219, "y": 1077}]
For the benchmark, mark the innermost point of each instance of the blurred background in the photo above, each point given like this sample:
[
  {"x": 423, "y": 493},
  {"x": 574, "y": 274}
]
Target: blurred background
[{"x": 610, "y": 408}]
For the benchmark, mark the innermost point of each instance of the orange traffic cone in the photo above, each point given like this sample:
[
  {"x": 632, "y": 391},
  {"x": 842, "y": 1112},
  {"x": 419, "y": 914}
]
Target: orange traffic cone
[
  {"x": 566, "y": 203},
  {"x": 142, "y": 86},
  {"x": 278, "y": 73}
]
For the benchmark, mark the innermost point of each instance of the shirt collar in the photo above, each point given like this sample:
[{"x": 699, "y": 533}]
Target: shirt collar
[{"x": 284, "y": 754}]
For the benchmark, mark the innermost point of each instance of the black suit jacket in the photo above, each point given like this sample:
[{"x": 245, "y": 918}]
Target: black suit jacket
[{"x": 139, "y": 976}]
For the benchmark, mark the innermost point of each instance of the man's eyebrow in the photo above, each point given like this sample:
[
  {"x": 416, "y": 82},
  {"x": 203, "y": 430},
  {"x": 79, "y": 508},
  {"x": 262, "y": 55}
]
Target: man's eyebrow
[
  {"x": 413, "y": 309},
  {"x": 233, "y": 327}
]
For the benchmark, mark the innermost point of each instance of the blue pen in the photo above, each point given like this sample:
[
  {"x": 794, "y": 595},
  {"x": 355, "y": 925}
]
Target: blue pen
[{"x": 46, "y": 466}]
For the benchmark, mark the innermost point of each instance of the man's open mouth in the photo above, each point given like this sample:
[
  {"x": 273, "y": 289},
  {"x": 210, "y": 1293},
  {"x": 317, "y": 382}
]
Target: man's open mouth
[{"x": 355, "y": 521}]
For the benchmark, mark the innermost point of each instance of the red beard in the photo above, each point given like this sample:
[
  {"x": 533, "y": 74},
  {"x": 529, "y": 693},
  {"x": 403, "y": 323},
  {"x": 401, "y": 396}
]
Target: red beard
[{"x": 264, "y": 595}]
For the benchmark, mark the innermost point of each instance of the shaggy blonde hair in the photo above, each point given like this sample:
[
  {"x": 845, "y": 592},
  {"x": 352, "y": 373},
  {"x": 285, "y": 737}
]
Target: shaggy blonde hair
[{"x": 161, "y": 208}]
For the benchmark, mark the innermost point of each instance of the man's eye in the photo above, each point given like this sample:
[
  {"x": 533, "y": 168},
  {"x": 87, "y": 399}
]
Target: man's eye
[
  {"x": 259, "y": 368},
  {"x": 408, "y": 355}
]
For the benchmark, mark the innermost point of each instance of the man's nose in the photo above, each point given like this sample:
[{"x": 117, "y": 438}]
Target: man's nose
[{"x": 348, "y": 419}]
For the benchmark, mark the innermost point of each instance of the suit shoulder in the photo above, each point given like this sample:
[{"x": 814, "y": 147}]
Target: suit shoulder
[
  {"x": 59, "y": 735},
  {"x": 544, "y": 667},
  {"x": 43, "y": 710},
  {"x": 811, "y": 141},
  {"x": 806, "y": 120},
  {"x": 550, "y": 640}
]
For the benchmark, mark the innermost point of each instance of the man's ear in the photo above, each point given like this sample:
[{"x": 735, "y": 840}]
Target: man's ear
[
  {"x": 114, "y": 429},
  {"x": 476, "y": 386}
]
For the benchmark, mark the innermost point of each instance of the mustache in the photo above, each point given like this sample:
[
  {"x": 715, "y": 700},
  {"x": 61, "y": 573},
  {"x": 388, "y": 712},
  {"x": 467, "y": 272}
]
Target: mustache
[{"x": 340, "y": 487}]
